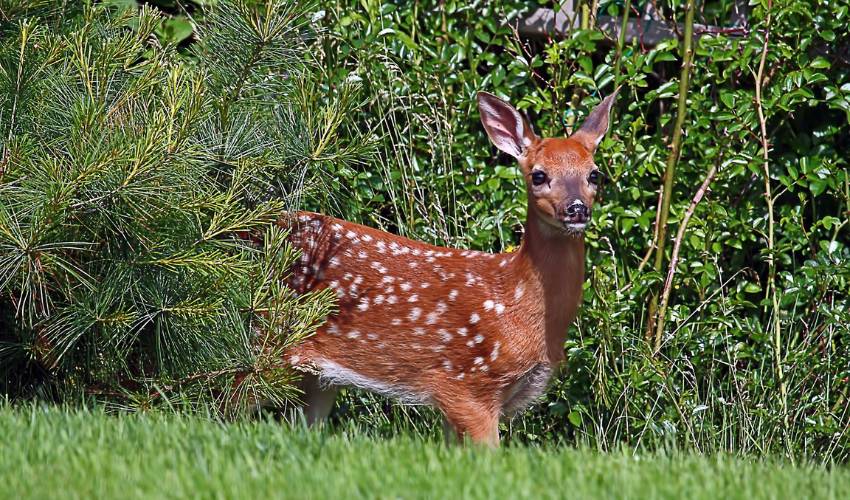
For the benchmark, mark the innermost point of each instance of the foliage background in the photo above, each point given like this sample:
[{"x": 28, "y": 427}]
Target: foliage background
[{"x": 399, "y": 78}]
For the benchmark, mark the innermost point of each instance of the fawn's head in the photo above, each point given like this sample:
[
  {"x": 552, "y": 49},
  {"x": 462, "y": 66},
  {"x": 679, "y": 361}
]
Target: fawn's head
[{"x": 560, "y": 175}]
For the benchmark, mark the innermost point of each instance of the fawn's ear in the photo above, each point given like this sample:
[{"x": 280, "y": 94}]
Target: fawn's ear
[
  {"x": 505, "y": 126},
  {"x": 594, "y": 127}
]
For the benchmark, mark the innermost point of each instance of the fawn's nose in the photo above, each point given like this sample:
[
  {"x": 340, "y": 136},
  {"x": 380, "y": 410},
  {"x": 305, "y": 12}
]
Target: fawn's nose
[{"x": 576, "y": 213}]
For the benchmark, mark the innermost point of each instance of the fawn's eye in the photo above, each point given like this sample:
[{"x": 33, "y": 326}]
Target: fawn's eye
[
  {"x": 595, "y": 177},
  {"x": 538, "y": 177}
]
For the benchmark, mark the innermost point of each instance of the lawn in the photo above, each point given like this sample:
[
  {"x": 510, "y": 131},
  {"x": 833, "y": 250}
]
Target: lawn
[{"x": 54, "y": 453}]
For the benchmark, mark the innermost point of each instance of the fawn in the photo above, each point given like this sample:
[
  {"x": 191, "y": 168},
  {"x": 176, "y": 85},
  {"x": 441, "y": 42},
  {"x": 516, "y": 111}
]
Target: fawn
[{"x": 477, "y": 335}]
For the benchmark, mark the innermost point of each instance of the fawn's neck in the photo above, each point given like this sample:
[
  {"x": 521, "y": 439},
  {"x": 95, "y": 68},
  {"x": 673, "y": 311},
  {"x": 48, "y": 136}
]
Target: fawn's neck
[{"x": 554, "y": 263}]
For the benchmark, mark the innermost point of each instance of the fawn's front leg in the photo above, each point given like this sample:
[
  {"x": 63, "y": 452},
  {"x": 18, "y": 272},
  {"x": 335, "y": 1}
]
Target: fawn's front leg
[{"x": 477, "y": 421}]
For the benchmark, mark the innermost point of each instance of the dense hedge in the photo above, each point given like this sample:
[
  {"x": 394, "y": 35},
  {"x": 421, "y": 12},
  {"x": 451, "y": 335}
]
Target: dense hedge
[{"x": 752, "y": 353}]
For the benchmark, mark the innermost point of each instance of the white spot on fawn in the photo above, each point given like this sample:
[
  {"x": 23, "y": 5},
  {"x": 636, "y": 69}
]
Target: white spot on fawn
[
  {"x": 478, "y": 338},
  {"x": 462, "y": 331},
  {"x": 500, "y": 308},
  {"x": 425, "y": 285},
  {"x": 382, "y": 247},
  {"x": 460, "y": 377},
  {"x": 419, "y": 331},
  {"x": 366, "y": 238},
  {"x": 372, "y": 336},
  {"x": 413, "y": 298},
  {"x": 379, "y": 300},
  {"x": 334, "y": 262},
  {"x": 406, "y": 286},
  {"x": 350, "y": 235},
  {"x": 445, "y": 335},
  {"x": 358, "y": 280},
  {"x": 495, "y": 353},
  {"x": 453, "y": 295},
  {"x": 447, "y": 365},
  {"x": 392, "y": 299},
  {"x": 488, "y": 304},
  {"x": 474, "y": 318},
  {"x": 353, "y": 334},
  {"x": 337, "y": 227},
  {"x": 362, "y": 255},
  {"x": 519, "y": 291},
  {"x": 396, "y": 321},
  {"x": 432, "y": 318},
  {"x": 414, "y": 314},
  {"x": 413, "y": 264},
  {"x": 478, "y": 361},
  {"x": 387, "y": 279},
  {"x": 364, "y": 304}
]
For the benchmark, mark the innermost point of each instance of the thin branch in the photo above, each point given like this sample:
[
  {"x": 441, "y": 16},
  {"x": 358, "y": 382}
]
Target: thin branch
[
  {"x": 674, "y": 259},
  {"x": 621, "y": 42}
]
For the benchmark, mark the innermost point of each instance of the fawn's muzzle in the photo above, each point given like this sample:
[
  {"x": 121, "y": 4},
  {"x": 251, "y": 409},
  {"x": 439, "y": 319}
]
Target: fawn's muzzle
[{"x": 576, "y": 213}]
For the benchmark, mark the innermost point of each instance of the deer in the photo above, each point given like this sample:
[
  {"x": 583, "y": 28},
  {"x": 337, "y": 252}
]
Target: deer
[{"x": 477, "y": 335}]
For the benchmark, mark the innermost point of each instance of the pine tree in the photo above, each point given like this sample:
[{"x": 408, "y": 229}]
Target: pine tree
[{"x": 130, "y": 174}]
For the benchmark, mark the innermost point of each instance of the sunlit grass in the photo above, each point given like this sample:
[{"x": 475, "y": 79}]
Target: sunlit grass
[{"x": 51, "y": 453}]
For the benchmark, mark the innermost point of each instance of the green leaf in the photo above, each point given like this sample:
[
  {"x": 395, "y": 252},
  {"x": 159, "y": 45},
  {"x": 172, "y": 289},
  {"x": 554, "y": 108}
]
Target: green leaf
[{"x": 820, "y": 63}]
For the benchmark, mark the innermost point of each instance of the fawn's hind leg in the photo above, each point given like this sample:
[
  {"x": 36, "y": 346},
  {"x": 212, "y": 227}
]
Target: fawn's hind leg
[{"x": 318, "y": 399}]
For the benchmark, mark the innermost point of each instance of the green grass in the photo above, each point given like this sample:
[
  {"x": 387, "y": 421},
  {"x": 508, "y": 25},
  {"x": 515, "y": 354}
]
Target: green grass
[{"x": 77, "y": 454}]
